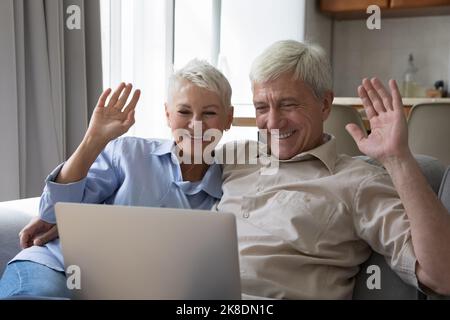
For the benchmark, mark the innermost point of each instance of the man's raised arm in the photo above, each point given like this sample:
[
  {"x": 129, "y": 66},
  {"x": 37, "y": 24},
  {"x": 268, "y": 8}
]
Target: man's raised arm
[{"x": 388, "y": 143}]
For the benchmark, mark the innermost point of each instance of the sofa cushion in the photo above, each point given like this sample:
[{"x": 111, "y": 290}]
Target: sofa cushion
[
  {"x": 432, "y": 169},
  {"x": 444, "y": 192}
]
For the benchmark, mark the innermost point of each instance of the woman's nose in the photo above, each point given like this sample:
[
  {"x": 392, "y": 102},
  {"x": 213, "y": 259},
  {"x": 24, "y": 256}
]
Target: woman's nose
[{"x": 195, "y": 124}]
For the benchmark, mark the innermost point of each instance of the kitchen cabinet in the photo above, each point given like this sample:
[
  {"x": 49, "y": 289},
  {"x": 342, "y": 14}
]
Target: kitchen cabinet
[
  {"x": 348, "y": 6},
  {"x": 408, "y": 4},
  {"x": 354, "y": 9}
]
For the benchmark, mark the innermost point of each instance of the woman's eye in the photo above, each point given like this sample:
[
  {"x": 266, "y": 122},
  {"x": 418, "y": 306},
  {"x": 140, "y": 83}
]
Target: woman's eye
[
  {"x": 210, "y": 113},
  {"x": 184, "y": 112}
]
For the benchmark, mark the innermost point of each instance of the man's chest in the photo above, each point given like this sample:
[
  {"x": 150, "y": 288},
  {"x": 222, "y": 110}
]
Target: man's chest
[{"x": 296, "y": 207}]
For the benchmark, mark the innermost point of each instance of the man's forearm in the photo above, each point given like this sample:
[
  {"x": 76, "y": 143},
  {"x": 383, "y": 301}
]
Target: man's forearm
[
  {"x": 78, "y": 165},
  {"x": 429, "y": 219}
]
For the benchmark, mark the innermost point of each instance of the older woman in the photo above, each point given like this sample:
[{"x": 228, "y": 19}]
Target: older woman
[{"x": 129, "y": 170}]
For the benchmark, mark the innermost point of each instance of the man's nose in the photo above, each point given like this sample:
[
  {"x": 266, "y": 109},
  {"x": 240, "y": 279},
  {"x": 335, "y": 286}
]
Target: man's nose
[{"x": 275, "y": 119}]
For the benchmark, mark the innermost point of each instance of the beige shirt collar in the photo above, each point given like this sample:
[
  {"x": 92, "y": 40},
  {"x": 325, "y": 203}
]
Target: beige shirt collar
[{"x": 326, "y": 153}]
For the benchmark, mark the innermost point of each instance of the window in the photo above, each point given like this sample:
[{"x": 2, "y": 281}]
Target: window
[
  {"x": 247, "y": 31},
  {"x": 136, "y": 38},
  {"x": 247, "y": 28},
  {"x": 143, "y": 39},
  {"x": 193, "y": 31}
]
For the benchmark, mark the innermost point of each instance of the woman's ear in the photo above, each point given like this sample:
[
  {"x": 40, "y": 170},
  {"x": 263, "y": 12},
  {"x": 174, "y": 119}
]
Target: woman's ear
[{"x": 166, "y": 108}]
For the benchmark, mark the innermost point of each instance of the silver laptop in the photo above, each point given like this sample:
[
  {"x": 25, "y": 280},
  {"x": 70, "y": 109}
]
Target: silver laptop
[{"x": 121, "y": 252}]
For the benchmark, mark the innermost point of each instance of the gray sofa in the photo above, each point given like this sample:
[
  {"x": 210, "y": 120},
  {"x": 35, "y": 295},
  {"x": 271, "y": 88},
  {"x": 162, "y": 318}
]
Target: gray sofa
[{"x": 14, "y": 215}]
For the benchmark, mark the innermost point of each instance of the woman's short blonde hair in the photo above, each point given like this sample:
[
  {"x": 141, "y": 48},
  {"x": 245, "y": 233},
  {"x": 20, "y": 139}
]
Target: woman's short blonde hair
[
  {"x": 307, "y": 62},
  {"x": 204, "y": 75}
]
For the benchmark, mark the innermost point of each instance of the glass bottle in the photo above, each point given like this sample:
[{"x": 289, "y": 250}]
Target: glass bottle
[{"x": 409, "y": 79}]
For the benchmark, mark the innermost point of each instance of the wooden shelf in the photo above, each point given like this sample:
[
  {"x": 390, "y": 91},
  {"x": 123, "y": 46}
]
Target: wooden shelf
[
  {"x": 339, "y": 6},
  {"x": 408, "y": 103},
  {"x": 409, "y": 4},
  {"x": 353, "y": 9},
  {"x": 244, "y": 122}
]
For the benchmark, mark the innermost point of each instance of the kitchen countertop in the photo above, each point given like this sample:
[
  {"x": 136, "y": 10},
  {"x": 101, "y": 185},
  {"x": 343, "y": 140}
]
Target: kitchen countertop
[
  {"x": 351, "y": 101},
  {"x": 407, "y": 104},
  {"x": 406, "y": 101}
]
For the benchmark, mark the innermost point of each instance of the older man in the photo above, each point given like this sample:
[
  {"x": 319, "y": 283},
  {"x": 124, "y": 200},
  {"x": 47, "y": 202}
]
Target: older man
[{"x": 304, "y": 231}]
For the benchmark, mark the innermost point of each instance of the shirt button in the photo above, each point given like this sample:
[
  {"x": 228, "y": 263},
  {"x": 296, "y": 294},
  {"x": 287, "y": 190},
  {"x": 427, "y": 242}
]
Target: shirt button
[{"x": 246, "y": 215}]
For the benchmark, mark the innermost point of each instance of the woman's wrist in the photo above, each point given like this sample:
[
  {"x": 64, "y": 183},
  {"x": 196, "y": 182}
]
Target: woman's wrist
[{"x": 93, "y": 144}]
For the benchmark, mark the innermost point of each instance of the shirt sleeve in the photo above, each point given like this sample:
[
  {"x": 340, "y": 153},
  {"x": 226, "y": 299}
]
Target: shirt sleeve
[
  {"x": 381, "y": 221},
  {"x": 100, "y": 183}
]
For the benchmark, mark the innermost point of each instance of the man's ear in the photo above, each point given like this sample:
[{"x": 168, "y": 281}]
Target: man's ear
[
  {"x": 230, "y": 114},
  {"x": 166, "y": 108},
  {"x": 327, "y": 102}
]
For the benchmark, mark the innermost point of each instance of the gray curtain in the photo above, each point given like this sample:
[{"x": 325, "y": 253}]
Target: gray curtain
[{"x": 50, "y": 80}]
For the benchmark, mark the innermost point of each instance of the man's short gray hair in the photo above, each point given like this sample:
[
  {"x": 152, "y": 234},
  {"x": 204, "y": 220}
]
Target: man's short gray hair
[
  {"x": 307, "y": 62},
  {"x": 204, "y": 75}
]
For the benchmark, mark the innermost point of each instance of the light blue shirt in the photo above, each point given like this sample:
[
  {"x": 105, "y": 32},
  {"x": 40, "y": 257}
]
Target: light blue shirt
[{"x": 130, "y": 171}]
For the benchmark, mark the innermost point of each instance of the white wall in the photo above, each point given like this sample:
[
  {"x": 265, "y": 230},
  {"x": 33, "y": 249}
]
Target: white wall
[
  {"x": 318, "y": 27},
  {"x": 247, "y": 28},
  {"x": 359, "y": 52}
]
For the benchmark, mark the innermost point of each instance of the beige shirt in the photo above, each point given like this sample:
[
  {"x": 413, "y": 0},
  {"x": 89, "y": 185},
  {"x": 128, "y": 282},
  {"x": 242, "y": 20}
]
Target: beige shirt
[{"x": 304, "y": 231}]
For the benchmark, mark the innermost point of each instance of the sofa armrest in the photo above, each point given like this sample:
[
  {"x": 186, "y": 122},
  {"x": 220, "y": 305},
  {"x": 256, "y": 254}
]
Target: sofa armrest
[{"x": 14, "y": 215}]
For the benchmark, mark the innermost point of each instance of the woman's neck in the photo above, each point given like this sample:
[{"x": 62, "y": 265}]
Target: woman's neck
[{"x": 193, "y": 172}]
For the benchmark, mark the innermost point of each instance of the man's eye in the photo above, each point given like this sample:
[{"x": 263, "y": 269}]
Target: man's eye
[
  {"x": 261, "y": 109},
  {"x": 288, "y": 105}
]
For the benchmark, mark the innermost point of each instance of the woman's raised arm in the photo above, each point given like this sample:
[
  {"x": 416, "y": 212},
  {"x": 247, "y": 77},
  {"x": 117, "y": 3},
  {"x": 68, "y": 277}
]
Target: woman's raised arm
[{"x": 108, "y": 122}]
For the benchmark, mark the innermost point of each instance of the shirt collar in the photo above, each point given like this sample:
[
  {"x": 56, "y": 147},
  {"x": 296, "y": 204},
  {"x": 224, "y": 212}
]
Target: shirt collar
[
  {"x": 164, "y": 147},
  {"x": 326, "y": 153},
  {"x": 211, "y": 183}
]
